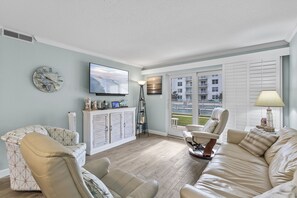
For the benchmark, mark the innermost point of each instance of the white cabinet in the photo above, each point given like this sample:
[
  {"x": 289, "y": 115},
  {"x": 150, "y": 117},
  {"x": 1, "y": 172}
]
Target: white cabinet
[{"x": 104, "y": 129}]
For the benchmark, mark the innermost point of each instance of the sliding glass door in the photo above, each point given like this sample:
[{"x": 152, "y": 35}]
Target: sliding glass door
[{"x": 193, "y": 97}]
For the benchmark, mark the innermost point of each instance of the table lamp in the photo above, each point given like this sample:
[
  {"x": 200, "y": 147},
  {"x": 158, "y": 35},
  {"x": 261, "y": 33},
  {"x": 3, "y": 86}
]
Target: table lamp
[{"x": 269, "y": 99}]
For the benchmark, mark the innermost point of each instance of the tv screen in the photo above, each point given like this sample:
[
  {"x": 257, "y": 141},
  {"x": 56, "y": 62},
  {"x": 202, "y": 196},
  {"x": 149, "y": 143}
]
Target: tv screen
[{"x": 108, "y": 81}]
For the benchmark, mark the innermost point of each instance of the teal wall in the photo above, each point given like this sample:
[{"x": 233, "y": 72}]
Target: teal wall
[
  {"x": 22, "y": 104},
  {"x": 293, "y": 83}
]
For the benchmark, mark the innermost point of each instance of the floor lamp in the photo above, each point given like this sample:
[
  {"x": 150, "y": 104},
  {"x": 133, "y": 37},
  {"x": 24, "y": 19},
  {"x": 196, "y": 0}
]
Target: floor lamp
[{"x": 142, "y": 126}]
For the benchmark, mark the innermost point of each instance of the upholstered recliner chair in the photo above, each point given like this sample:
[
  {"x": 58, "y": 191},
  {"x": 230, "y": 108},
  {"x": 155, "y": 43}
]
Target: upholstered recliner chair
[
  {"x": 201, "y": 139},
  {"x": 59, "y": 176},
  {"x": 20, "y": 175}
]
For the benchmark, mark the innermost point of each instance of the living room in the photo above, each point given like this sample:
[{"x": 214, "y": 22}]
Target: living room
[{"x": 173, "y": 40}]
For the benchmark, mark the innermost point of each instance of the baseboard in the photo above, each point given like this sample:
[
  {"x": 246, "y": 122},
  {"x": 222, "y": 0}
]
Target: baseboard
[
  {"x": 158, "y": 133},
  {"x": 4, "y": 173}
]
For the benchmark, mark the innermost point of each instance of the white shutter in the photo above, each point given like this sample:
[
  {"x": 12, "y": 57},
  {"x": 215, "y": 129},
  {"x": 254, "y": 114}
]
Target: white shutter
[
  {"x": 100, "y": 130},
  {"x": 115, "y": 127},
  {"x": 128, "y": 126},
  {"x": 263, "y": 75},
  {"x": 243, "y": 82},
  {"x": 235, "y": 95}
]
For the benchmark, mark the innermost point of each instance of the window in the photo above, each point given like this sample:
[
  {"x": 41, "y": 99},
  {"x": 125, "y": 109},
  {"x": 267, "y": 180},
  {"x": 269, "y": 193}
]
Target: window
[
  {"x": 179, "y": 90},
  {"x": 179, "y": 97},
  {"x": 214, "y": 97},
  {"x": 179, "y": 83},
  {"x": 215, "y": 82},
  {"x": 215, "y": 89},
  {"x": 203, "y": 97}
]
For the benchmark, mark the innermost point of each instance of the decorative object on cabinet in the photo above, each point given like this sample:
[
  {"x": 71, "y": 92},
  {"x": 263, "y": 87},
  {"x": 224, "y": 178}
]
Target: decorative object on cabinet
[
  {"x": 88, "y": 104},
  {"x": 115, "y": 104},
  {"x": 142, "y": 125},
  {"x": 46, "y": 80},
  {"x": 154, "y": 85},
  {"x": 94, "y": 105},
  {"x": 269, "y": 99},
  {"x": 105, "y": 129}
]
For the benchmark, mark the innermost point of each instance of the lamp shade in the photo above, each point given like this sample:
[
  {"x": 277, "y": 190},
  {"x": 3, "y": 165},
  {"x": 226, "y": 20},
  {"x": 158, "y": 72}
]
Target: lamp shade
[
  {"x": 141, "y": 82},
  {"x": 269, "y": 99}
]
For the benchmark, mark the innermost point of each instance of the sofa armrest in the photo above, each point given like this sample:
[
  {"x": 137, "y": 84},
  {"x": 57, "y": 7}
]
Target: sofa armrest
[
  {"x": 146, "y": 190},
  {"x": 98, "y": 167},
  {"x": 189, "y": 191},
  {"x": 205, "y": 135},
  {"x": 64, "y": 136},
  {"x": 235, "y": 136}
]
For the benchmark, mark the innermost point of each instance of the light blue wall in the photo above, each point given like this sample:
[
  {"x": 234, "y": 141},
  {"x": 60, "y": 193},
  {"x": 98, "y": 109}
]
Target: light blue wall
[
  {"x": 22, "y": 104},
  {"x": 293, "y": 83}
]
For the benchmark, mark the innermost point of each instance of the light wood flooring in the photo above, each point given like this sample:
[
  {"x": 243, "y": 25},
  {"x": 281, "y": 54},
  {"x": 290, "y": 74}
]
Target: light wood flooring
[{"x": 164, "y": 159}]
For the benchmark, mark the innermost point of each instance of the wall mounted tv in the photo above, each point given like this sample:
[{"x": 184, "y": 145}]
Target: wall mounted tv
[{"x": 108, "y": 81}]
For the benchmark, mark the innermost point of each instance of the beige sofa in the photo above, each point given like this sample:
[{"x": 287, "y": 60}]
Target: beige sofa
[{"x": 235, "y": 172}]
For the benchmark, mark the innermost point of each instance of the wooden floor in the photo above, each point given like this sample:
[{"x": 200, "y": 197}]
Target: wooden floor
[{"x": 164, "y": 159}]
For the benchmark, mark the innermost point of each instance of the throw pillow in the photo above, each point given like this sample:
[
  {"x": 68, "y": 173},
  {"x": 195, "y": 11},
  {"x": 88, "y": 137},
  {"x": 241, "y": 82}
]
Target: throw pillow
[
  {"x": 258, "y": 142},
  {"x": 210, "y": 125},
  {"x": 95, "y": 185}
]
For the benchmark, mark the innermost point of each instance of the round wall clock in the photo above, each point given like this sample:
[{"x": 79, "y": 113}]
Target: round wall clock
[{"x": 47, "y": 80}]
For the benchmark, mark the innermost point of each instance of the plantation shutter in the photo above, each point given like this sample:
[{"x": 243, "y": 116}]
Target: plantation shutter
[{"x": 243, "y": 82}]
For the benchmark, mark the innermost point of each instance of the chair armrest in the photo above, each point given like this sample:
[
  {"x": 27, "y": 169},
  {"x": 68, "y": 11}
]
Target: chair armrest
[
  {"x": 194, "y": 127},
  {"x": 146, "y": 190},
  {"x": 98, "y": 167},
  {"x": 235, "y": 136},
  {"x": 199, "y": 134},
  {"x": 64, "y": 136},
  {"x": 189, "y": 191}
]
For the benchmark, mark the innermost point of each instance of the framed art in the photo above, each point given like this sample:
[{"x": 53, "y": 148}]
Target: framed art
[{"x": 154, "y": 85}]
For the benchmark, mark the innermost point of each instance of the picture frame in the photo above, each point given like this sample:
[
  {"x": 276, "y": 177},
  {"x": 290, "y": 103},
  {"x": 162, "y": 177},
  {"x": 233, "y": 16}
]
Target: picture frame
[{"x": 154, "y": 85}]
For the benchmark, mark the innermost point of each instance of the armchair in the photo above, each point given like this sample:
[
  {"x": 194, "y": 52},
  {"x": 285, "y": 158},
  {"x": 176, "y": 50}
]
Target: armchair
[
  {"x": 201, "y": 139},
  {"x": 58, "y": 174},
  {"x": 20, "y": 175}
]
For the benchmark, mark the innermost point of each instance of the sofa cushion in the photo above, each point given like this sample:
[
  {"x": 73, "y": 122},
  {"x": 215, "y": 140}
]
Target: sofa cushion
[
  {"x": 285, "y": 190},
  {"x": 257, "y": 142},
  {"x": 236, "y": 152},
  {"x": 95, "y": 185},
  {"x": 231, "y": 177},
  {"x": 210, "y": 125},
  {"x": 284, "y": 135},
  {"x": 284, "y": 163}
]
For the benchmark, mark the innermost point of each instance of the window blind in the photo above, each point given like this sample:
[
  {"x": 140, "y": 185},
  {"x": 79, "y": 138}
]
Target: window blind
[{"x": 243, "y": 82}]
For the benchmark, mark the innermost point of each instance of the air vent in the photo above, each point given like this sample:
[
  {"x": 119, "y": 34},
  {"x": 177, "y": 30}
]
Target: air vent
[{"x": 17, "y": 35}]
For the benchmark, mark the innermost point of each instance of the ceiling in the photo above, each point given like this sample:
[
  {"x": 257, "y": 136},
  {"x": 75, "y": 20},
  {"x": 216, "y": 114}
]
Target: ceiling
[{"x": 153, "y": 33}]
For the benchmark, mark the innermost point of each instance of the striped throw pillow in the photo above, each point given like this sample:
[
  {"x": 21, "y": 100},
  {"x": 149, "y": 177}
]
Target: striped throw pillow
[{"x": 258, "y": 142}]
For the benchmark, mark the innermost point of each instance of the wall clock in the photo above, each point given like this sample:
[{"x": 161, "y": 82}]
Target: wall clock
[{"x": 47, "y": 80}]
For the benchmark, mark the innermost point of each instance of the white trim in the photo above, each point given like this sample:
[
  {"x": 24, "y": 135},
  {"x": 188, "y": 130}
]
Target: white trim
[
  {"x": 276, "y": 52},
  {"x": 158, "y": 132},
  {"x": 4, "y": 172},
  {"x": 76, "y": 49},
  {"x": 291, "y": 35}
]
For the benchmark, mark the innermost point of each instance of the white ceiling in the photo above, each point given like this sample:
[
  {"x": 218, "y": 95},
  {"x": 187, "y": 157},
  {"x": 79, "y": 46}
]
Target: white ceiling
[{"x": 153, "y": 33}]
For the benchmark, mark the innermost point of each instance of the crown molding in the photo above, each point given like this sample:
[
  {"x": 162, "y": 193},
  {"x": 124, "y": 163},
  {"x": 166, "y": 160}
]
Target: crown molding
[
  {"x": 76, "y": 49},
  {"x": 219, "y": 61}
]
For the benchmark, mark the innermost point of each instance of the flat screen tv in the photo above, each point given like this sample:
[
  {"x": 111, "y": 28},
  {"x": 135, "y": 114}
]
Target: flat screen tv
[{"x": 108, "y": 81}]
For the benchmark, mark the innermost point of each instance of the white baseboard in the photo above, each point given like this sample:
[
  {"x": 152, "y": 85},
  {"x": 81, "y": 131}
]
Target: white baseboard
[
  {"x": 4, "y": 173},
  {"x": 158, "y": 132}
]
